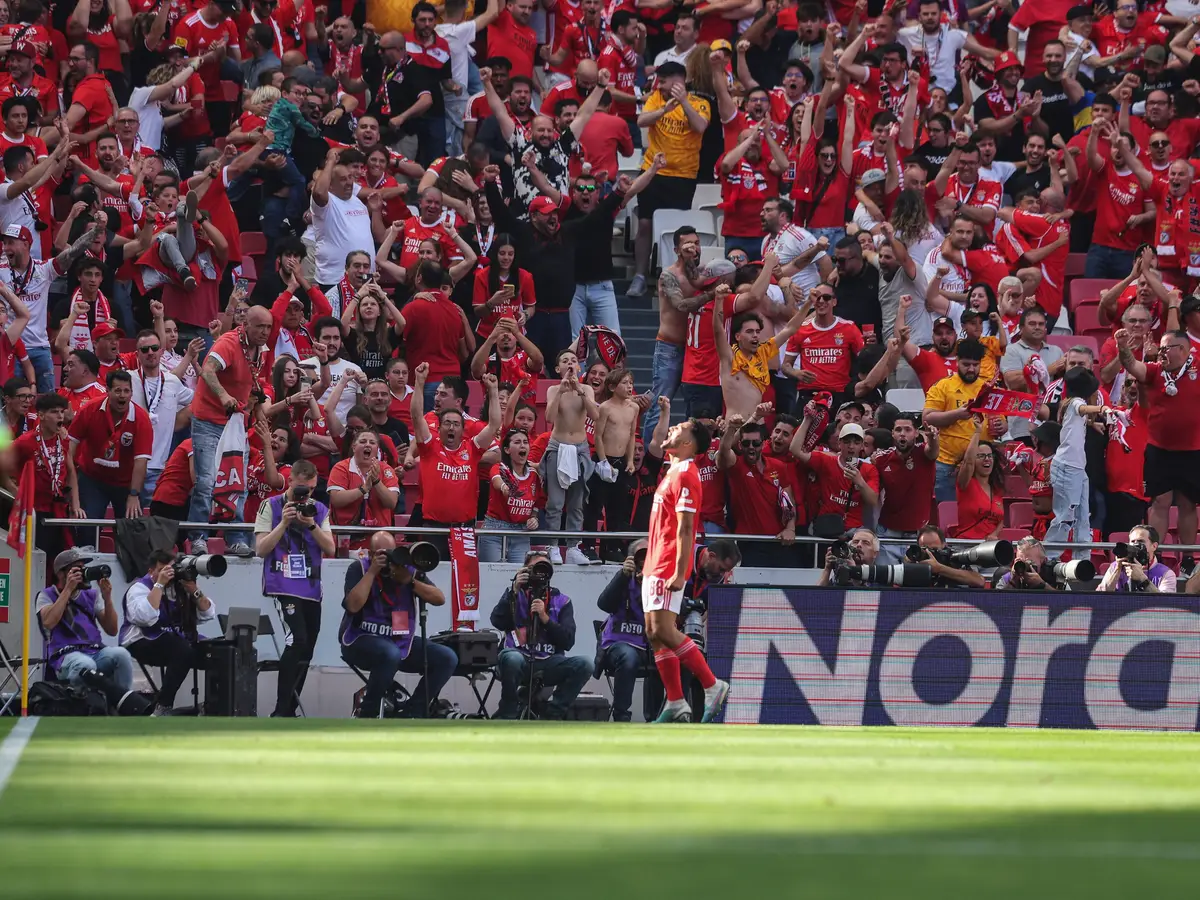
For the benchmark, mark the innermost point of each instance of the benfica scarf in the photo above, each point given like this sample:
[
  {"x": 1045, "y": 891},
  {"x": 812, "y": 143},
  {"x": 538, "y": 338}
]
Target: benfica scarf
[
  {"x": 464, "y": 578},
  {"x": 81, "y": 332},
  {"x": 346, "y": 295},
  {"x": 1179, "y": 232}
]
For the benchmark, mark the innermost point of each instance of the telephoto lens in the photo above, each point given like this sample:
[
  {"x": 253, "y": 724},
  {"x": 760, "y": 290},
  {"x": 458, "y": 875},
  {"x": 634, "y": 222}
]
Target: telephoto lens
[
  {"x": 95, "y": 573},
  {"x": 210, "y": 565}
]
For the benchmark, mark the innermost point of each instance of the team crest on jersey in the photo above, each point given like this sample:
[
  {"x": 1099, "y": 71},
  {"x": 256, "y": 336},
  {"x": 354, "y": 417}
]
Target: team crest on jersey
[{"x": 838, "y": 339}]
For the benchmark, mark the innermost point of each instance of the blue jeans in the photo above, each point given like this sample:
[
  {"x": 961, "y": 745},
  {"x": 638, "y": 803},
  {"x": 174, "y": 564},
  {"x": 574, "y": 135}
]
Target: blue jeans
[
  {"x": 94, "y": 498},
  {"x": 292, "y": 179},
  {"x": 431, "y": 138},
  {"x": 383, "y": 659},
  {"x": 205, "y": 436},
  {"x": 1071, "y": 504},
  {"x": 491, "y": 546},
  {"x": 594, "y": 303},
  {"x": 430, "y": 394},
  {"x": 704, "y": 398},
  {"x": 148, "y": 486},
  {"x": 567, "y": 674},
  {"x": 122, "y": 304},
  {"x": 550, "y": 333},
  {"x": 188, "y": 333},
  {"x": 751, "y": 245},
  {"x": 43, "y": 367},
  {"x": 1107, "y": 262},
  {"x": 623, "y": 661},
  {"x": 891, "y": 554},
  {"x": 713, "y": 528},
  {"x": 945, "y": 480},
  {"x": 667, "y": 370},
  {"x": 114, "y": 662},
  {"x": 834, "y": 234}
]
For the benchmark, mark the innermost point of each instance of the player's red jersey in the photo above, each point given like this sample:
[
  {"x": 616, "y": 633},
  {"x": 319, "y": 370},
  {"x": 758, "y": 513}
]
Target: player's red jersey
[
  {"x": 679, "y": 491},
  {"x": 700, "y": 364}
]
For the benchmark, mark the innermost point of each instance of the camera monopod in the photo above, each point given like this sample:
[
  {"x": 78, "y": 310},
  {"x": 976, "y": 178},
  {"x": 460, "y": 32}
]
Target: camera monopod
[{"x": 423, "y": 615}]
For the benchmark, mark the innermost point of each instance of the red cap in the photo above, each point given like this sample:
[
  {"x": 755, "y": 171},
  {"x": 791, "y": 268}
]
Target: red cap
[
  {"x": 104, "y": 329},
  {"x": 25, "y": 48},
  {"x": 543, "y": 205},
  {"x": 1005, "y": 60},
  {"x": 20, "y": 232}
]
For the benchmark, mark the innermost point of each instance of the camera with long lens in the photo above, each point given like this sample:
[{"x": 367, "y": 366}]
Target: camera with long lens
[
  {"x": 903, "y": 575},
  {"x": 692, "y": 616},
  {"x": 1134, "y": 551},
  {"x": 210, "y": 565},
  {"x": 986, "y": 556},
  {"x": 540, "y": 574},
  {"x": 305, "y": 504},
  {"x": 96, "y": 573},
  {"x": 639, "y": 561},
  {"x": 422, "y": 556},
  {"x": 1057, "y": 574}
]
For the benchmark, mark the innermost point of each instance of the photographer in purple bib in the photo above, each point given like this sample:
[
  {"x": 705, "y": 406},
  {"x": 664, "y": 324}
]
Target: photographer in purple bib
[
  {"x": 291, "y": 536},
  {"x": 379, "y": 629},
  {"x": 623, "y": 648},
  {"x": 72, "y": 614},
  {"x": 538, "y": 623},
  {"x": 1136, "y": 568},
  {"x": 162, "y": 611}
]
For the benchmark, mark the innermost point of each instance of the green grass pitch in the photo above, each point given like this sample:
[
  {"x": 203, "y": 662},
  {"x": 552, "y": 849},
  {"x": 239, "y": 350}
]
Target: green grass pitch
[{"x": 247, "y": 808}]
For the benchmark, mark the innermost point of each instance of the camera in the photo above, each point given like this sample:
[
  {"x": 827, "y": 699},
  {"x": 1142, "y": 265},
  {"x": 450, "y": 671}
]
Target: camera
[
  {"x": 210, "y": 565},
  {"x": 422, "y": 556},
  {"x": 1134, "y": 551},
  {"x": 1075, "y": 570},
  {"x": 905, "y": 575},
  {"x": 639, "y": 561},
  {"x": 986, "y": 556},
  {"x": 305, "y": 505},
  {"x": 692, "y": 624},
  {"x": 540, "y": 574},
  {"x": 95, "y": 573},
  {"x": 840, "y": 550}
]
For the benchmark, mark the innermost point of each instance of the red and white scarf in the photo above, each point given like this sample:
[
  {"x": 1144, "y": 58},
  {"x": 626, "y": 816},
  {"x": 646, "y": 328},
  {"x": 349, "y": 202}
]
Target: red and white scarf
[{"x": 81, "y": 332}]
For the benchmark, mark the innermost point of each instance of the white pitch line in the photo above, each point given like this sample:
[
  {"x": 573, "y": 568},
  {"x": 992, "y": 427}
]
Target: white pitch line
[{"x": 13, "y": 747}]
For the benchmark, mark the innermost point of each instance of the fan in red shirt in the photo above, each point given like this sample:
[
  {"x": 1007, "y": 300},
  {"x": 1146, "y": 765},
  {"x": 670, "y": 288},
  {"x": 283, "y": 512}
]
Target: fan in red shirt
[
  {"x": 885, "y": 88},
  {"x": 762, "y": 494},
  {"x": 428, "y": 225},
  {"x": 22, "y": 81},
  {"x": 621, "y": 56},
  {"x": 449, "y": 485},
  {"x": 669, "y": 561},
  {"x": 1121, "y": 208},
  {"x": 512, "y": 37},
  {"x": 1126, "y": 33},
  {"x": 821, "y": 186},
  {"x": 362, "y": 490},
  {"x": 112, "y": 441},
  {"x": 747, "y": 180},
  {"x": 435, "y": 329},
  {"x": 56, "y": 489},
  {"x": 579, "y": 40},
  {"x": 1045, "y": 230},
  {"x": 1124, "y": 462},
  {"x": 502, "y": 291},
  {"x": 1042, "y": 20},
  {"x": 173, "y": 491},
  {"x": 79, "y": 384},
  {"x": 1177, "y": 219},
  {"x": 820, "y": 355},
  {"x": 906, "y": 475},
  {"x": 848, "y": 487},
  {"x": 210, "y": 24}
]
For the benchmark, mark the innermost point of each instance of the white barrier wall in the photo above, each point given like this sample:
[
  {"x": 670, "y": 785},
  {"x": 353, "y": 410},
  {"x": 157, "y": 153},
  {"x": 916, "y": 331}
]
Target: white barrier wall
[{"x": 331, "y": 684}]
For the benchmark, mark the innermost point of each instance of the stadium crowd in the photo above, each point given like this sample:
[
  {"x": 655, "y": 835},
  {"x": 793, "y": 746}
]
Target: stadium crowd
[{"x": 951, "y": 282}]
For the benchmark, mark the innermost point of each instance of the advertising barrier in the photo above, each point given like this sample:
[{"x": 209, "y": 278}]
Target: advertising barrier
[{"x": 809, "y": 656}]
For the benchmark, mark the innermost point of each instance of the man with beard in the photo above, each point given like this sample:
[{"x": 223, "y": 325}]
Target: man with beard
[
  {"x": 547, "y": 248},
  {"x": 762, "y": 491},
  {"x": 328, "y": 331},
  {"x": 114, "y": 440},
  {"x": 747, "y": 180},
  {"x": 678, "y": 297},
  {"x": 1060, "y": 93},
  {"x": 429, "y": 65},
  {"x": 960, "y": 178},
  {"x": 1036, "y": 174},
  {"x": 801, "y": 256},
  {"x": 932, "y": 365},
  {"x": 940, "y": 43},
  {"x": 22, "y": 81},
  {"x": 552, "y": 154},
  {"x": 1029, "y": 363},
  {"x": 508, "y": 354},
  {"x": 900, "y": 276},
  {"x": 885, "y": 87},
  {"x": 946, "y": 409},
  {"x": 1001, "y": 112},
  {"x": 906, "y": 476}
]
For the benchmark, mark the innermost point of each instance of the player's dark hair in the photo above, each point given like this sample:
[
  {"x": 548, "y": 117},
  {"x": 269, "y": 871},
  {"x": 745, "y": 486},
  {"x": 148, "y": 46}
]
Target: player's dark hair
[{"x": 701, "y": 436}]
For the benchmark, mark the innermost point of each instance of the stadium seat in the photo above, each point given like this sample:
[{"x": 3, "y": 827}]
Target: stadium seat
[
  {"x": 1083, "y": 290},
  {"x": 1015, "y": 488},
  {"x": 412, "y": 477},
  {"x": 543, "y": 388},
  {"x": 907, "y": 399},
  {"x": 249, "y": 269},
  {"x": 1013, "y": 534},
  {"x": 1076, "y": 264},
  {"x": 475, "y": 395},
  {"x": 1087, "y": 322},
  {"x": 629, "y": 165},
  {"x": 1020, "y": 515},
  {"x": 708, "y": 254},
  {"x": 399, "y": 520},
  {"x": 948, "y": 514},
  {"x": 667, "y": 220},
  {"x": 254, "y": 243}
]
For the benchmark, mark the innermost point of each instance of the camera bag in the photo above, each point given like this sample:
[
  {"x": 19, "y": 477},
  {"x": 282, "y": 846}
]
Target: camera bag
[
  {"x": 589, "y": 707},
  {"x": 53, "y": 698},
  {"x": 475, "y": 649}
]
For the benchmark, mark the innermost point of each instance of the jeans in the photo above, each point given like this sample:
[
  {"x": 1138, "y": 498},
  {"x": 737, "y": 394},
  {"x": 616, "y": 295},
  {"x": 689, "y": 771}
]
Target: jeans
[
  {"x": 291, "y": 177},
  {"x": 594, "y": 303},
  {"x": 114, "y": 662},
  {"x": 834, "y": 234},
  {"x": 148, "y": 486},
  {"x": 122, "y": 304},
  {"x": 491, "y": 547},
  {"x": 945, "y": 481},
  {"x": 43, "y": 367},
  {"x": 568, "y": 674},
  {"x": 705, "y": 398},
  {"x": 430, "y": 394},
  {"x": 1071, "y": 504},
  {"x": 94, "y": 498},
  {"x": 383, "y": 659},
  {"x": 550, "y": 333},
  {"x": 1107, "y": 262},
  {"x": 623, "y": 662},
  {"x": 431, "y": 138},
  {"x": 752, "y": 246},
  {"x": 713, "y": 528},
  {"x": 667, "y": 370},
  {"x": 891, "y": 554},
  {"x": 205, "y": 436},
  {"x": 188, "y": 333}
]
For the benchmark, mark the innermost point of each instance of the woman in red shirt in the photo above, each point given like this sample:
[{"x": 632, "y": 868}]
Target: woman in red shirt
[
  {"x": 363, "y": 491},
  {"x": 267, "y": 474},
  {"x": 502, "y": 289},
  {"x": 513, "y": 502},
  {"x": 980, "y": 490}
]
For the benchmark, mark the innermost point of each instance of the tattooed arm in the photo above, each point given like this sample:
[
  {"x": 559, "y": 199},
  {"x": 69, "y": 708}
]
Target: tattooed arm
[
  {"x": 671, "y": 289},
  {"x": 64, "y": 260}
]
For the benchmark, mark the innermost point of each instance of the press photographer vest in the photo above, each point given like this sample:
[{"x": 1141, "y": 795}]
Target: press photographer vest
[
  {"x": 539, "y": 649},
  {"x": 293, "y": 567},
  {"x": 170, "y": 615},
  {"x": 390, "y": 613},
  {"x": 628, "y": 624},
  {"x": 77, "y": 630}
]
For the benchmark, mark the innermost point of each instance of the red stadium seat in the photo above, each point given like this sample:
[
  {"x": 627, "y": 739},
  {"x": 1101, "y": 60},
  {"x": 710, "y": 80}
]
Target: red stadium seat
[
  {"x": 400, "y": 520},
  {"x": 1020, "y": 515},
  {"x": 249, "y": 269},
  {"x": 411, "y": 477},
  {"x": 1083, "y": 290},
  {"x": 543, "y": 388},
  {"x": 475, "y": 397},
  {"x": 1013, "y": 534},
  {"x": 254, "y": 243},
  {"x": 948, "y": 514},
  {"x": 1076, "y": 264},
  {"x": 1015, "y": 488}
]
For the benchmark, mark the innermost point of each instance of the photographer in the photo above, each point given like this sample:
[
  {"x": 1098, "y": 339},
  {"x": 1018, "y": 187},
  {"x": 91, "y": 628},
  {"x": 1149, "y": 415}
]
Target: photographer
[
  {"x": 539, "y": 625},
  {"x": 291, "y": 535},
  {"x": 930, "y": 539},
  {"x": 71, "y": 614},
  {"x": 1025, "y": 574},
  {"x": 162, "y": 614},
  {"x": 623, "y": 648},
  {"x": 378, "y": 630},
  {"x": 1140, "y": 569},
  {"x": 861, "y": 549}
]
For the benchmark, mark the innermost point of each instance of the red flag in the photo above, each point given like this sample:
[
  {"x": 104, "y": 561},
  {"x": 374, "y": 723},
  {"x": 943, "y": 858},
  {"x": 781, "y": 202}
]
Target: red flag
[
  {"x": 464, "y": 578},
  {"x": 21, "y": 509}
]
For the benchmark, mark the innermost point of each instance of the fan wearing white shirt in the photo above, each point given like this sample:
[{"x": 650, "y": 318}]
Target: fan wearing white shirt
[
  {"x": 460, "y": 32},
  {"x": 341, "y": 222},
  {"x": 164, "y": 397},
  {"x": 346, "y": 380},
  {"x": 801, "y": 256},
  {"x": 941, "y": 44}
]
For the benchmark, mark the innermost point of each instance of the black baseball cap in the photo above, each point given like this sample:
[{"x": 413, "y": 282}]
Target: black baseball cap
[{"x": 944, "y": 320}]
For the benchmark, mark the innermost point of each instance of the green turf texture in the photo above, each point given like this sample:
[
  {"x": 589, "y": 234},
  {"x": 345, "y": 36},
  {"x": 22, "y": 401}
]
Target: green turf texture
[{"x": 247, "y": 808}]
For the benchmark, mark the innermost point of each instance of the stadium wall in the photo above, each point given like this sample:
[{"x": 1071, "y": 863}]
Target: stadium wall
[{"x": 808, "y": 656}]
